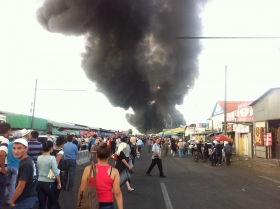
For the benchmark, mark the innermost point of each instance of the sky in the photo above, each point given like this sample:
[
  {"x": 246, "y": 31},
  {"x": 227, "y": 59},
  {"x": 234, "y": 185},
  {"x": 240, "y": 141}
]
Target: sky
[{"x": 28, "y": 52}]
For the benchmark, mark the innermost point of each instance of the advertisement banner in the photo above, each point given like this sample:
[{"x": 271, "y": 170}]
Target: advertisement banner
[
  {"x": 258, "y": 136},
  {"x": 267, "y": 138},
  {"x": 244, "y": 113}
]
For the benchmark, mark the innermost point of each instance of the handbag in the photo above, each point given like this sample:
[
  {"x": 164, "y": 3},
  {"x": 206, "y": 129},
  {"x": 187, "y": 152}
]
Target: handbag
[
  {"x": 51, "y": 174},
  {"x": 115, "y": 156},
  {"x": 88, "y": 198},
  {"x": 63, "y": 164}
]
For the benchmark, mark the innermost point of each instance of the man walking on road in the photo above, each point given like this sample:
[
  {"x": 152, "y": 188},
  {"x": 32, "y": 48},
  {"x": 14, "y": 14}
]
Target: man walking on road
[
  {"x": 219, "y": 148},
  {"x": 25, "y": 193},
  {"x": 70, "y": 152},
  {"x": 228, "y": 150},
  {"x": 156, "y": 159}
]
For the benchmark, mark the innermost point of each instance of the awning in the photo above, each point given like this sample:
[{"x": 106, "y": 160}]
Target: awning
[{"x": 56, "y": 132}]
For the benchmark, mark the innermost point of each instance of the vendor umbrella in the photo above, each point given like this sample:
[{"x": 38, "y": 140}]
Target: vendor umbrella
[
  {"x": 220, "y": 138},
  {"x": 91, "y": 133}
]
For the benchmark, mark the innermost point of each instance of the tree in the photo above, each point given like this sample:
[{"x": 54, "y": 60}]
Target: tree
[{"x": 130, "y": 131}]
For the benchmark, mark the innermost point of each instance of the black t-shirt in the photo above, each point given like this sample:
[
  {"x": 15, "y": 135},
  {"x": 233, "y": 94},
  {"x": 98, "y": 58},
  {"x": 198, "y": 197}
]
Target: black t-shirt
[
  {"x": 198, "y": 146},
  {"x": 26, "y": 173},
  {"x": 133, "y": 149},
  {"x": 121, "y": 156},
  {"x": 219, "y": 148}
]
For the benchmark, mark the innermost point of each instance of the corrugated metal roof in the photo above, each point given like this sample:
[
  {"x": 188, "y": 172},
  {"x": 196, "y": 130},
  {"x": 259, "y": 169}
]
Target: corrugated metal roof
[
  {"x": 262, "y": 96},
  {"x": 64, "y": 125}
]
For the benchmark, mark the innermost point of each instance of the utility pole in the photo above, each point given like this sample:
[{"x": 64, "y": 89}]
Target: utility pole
[
  {"x": 225, "y": 103},
  {"x": 32, "y": 120}
]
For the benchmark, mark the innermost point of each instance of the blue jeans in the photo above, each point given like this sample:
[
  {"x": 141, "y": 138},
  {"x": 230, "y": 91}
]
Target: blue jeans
[
  {"x": 180, "y": 152},
  {"x": 12, "y": 177},
  {"x": 3, "y": 184},
  {"x": 107, "y": 207},
  {"x": 28, "y": 203},
  {"x": 46, "y": 190},
  {"x": 69, "y": 174},
  {"x": 186, "y": 151}
]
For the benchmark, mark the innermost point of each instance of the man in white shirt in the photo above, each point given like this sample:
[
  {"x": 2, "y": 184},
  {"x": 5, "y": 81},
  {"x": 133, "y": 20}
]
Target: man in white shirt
[{"x": 156, "y": 159}]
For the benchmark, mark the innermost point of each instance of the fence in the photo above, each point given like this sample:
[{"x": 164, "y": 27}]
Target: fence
[{"x": 82, "y": 157}]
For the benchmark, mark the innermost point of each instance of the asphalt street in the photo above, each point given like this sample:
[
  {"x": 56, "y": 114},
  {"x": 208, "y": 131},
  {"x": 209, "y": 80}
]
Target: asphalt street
[{"x": 192, "y": 184}]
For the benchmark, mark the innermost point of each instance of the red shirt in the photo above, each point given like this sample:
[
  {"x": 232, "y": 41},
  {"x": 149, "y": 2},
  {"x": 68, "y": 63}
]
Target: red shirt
[{"x": 104, "y": 184}]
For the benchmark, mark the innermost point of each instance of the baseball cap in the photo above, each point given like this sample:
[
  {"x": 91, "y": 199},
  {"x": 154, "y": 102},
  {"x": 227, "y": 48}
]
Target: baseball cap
[
  {"x": 21, "y": 141},
  {"x": 17, "y": 135}
]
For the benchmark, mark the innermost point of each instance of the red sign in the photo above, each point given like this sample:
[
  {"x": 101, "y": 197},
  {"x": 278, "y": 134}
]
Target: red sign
[
  {"x": 244, "y": 113},
  {"x": 267, "y": 139}
]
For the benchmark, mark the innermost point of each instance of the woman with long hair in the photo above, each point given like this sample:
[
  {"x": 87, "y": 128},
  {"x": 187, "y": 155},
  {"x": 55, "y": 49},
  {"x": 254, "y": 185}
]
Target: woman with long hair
[
  {"x": 107, "y": 178},
  {"x": 46, "y": 186},
  {"x": 123, "y": 167}
]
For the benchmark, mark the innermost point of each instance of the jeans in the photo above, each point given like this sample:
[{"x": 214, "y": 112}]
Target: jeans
[
  {"x": 186, "y": 151},
  {"x": 180, "y": 152},
  {"x": 3, "y": 184},
  {"x": 214, "y": 159},
  {"x": 28, "y": 203},
  {"x": 149, "y": 148},
  {"x": 157, "y": 162},
  {"x": 46, "y": 190},
  {"x": 219, "y": 156},
  {"x": 68, "y": 175},
  {"x": 12, "y": 177},
  {"x": 139, "y": 148},
  {"x": 107, "y": 207},
  {"x": 228, "y": 158}
]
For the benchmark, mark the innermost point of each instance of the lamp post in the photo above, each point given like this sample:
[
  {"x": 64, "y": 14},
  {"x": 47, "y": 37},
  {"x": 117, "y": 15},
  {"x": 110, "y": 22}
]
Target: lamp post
[{"x": 171, "y": 123}]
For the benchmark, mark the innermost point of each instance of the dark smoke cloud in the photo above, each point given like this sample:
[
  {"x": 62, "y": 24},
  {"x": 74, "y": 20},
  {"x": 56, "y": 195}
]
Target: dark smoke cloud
[{"x": 131, "y": 53}]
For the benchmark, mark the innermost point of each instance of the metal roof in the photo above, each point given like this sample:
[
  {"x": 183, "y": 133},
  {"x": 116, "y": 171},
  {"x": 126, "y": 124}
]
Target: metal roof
[
  {"x": 262, "y": 96},
  {"x": 65, "y": 125}
]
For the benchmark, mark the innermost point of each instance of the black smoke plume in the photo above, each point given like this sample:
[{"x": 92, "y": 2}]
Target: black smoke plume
[{"x": 132, "y": 54}]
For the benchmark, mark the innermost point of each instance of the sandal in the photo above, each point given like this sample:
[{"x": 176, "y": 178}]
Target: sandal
[{"x": 131, "y": 190}]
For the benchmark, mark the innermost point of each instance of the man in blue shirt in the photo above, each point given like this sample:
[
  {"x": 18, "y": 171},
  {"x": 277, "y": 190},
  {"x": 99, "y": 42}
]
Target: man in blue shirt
[
  {"x": 12, "y": 166},
  {"x": 70, "y": 152}
]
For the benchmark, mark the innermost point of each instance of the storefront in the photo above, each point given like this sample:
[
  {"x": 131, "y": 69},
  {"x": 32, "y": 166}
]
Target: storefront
[{"x": 267, "y": 124}]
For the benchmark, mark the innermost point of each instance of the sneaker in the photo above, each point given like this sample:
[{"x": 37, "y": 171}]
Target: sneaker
[
  {"x": 148, "y": 174},
  {"x": 219, "y": 164},
  {"x": 162, "y": 176},
  {"x": 131, "y": 190}
]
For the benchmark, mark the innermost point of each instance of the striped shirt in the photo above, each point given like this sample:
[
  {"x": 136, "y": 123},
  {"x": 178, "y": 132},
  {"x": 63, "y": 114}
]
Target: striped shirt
[
  {"x": 34, "y": 149},
  {"x": 4, "y": 142}
]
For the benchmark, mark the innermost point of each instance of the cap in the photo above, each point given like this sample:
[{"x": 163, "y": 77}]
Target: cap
[
  {"x": 21, "y": 141},
  {"x": 48, "y": 132},
  {"x": 25, "y": 132},
  {"x": 17, "y": 135}
]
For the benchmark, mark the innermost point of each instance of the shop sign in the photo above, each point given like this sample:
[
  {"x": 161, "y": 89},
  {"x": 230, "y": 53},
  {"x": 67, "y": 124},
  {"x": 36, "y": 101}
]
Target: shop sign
[
  {"x": 267, "y": 138},
  {"x": 244, "y": 113}
]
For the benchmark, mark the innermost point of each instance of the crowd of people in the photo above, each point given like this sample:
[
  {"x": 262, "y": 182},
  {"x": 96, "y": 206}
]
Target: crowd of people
[{"x": 32, "y": 170}]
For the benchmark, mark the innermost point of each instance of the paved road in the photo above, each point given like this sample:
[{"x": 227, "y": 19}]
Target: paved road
[{"x": 192, "y": 184}]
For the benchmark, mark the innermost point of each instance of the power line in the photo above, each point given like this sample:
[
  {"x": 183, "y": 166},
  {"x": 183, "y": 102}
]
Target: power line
[
  {"x": 229, "y": 37},
  {"x": 60, "y": 90}
]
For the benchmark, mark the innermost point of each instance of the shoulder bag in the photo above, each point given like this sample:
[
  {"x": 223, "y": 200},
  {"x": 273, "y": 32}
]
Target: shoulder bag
[
  {"x": 51, "y": 174},
  {"x": 88, "y": 198},
  {"x": 63, "y": 164}
]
